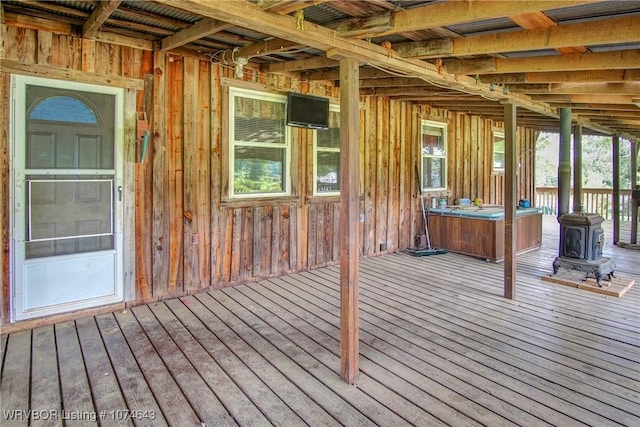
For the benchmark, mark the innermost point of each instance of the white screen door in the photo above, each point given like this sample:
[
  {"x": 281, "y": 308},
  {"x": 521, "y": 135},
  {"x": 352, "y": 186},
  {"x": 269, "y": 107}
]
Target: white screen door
[{"x": 67, "y": 190}]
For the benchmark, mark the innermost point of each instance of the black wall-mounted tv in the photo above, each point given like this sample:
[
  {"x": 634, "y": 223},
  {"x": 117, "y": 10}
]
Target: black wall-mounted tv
[{"x": 307, "y": 111}]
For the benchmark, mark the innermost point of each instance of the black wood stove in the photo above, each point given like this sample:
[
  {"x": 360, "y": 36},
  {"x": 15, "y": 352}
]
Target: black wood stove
[{"x": 581, "y": 243}]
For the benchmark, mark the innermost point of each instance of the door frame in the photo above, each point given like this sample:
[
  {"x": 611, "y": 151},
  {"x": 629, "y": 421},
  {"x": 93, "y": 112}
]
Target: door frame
[{"x": 17, "y": 149}]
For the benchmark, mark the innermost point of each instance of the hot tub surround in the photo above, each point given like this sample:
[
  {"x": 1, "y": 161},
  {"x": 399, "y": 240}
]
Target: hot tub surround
[{"x": 479, "y": 230}]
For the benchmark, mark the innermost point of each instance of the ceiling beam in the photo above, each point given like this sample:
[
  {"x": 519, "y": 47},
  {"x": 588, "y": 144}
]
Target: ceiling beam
[
  {"x": 301, "y": 65},
  {"x": 533, "y": 20},
  {"x": 627, "y": 88},
  {"x": 622, "y": 59},
  {"x": 248, "y": 15},
  {"x": 200, "y": 29},
  {"x": 584, "y": 98},
  {"x": 591, "y": 76},
  {"x": 591, "y": 33},
  {"x": 208, "y": 26},
  {"x": 99, "y": 17},
  {"x": 442, "y": 14}
]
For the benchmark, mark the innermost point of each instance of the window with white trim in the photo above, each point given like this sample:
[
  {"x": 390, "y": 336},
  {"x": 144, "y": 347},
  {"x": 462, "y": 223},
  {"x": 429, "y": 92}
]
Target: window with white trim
[
  {"x": 259, "y": 147},
  {"x": 433, "y": 140},
  {"x": 498, "y": 152},
  {"x": 326, "y": 160}
]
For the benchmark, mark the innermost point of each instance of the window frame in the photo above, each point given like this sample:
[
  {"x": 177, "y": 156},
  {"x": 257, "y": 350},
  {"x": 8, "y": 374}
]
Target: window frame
[
  {"x": 335, "y": 109},
  {"x": 444, "y": 127},
  {"x": 231, "y": 144},
  {"x": 494, "y": 134}
]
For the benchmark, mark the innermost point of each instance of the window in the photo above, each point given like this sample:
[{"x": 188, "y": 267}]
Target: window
[
  {"x": 327, "y": 156},
  {"x": 63, "y": 109},
  {"x": 433, "y": 137},
  {"x": 259, "y": 149},
  {"x": 498, "y": 152}
]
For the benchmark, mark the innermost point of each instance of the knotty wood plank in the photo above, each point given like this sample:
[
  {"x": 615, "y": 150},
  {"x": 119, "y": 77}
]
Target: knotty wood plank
[
  {"x": 256, "y": 266},
  {"x": 175, "y": 407},
  {"x": 233, "y": 398},
  {"x": 349, "y": 218},
  {"x": 200, "y": 397},
  {"x": 158, "y": 157},
  {"x": 615, "y": 287},
  {"x": 218, "y": 122},
  {"x": 293, "y": 233},
  {"x": 369, "y": 177},
  {"x": 236, "y": 244},
  {"x": 393, "y": 178},
  {"x": 246, "y": 270},
  {"x": 285, "y": 375},
  {"x": 404, "y": 306},
  {"x": 45, "y": 42},
  {"x": 576, "y": 306},
  {"x": 553, "y": 375},
  {"x": 275, "y": 240},
  {"x": 135, "y": 388},
  {"x": 513, "y": 382},
  {"x": 175, "y": 181},
  {"x": 129, "y": 208},
  {"x": 45, "y": 386},
  {"x": 239, "y": 362},
  {"x": 385, "y": 376},
  {"x": 76, "y": 392},
  {"x": 312, "y": 235},
  {"x": 380, "y": 183},
  {"x": 16, "y": 372},
  {"x": 265, "y": 240},
  {"x": 108, "y": 397},
  {"x": 568, "y": 337},
  {"x": 282, "y": 315},
  {"x": 190, "y": 237}
]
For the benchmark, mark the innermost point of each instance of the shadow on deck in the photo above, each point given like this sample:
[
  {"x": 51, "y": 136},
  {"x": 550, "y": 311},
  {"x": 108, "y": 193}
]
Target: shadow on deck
[{"x": 438, "y": 343}]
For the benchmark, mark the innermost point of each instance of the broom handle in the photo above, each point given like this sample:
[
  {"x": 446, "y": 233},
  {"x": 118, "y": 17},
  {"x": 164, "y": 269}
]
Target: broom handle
[
  {"x": 424, "y": 220},
  {"x": 424, "y": 215}
]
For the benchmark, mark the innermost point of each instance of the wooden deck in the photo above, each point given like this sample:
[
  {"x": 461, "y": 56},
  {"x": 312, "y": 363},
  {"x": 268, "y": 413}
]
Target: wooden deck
[{"x": 439, "y": 346}]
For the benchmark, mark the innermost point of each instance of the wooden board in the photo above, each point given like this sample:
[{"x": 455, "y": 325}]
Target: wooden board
[{"x": 616, "y": 287}]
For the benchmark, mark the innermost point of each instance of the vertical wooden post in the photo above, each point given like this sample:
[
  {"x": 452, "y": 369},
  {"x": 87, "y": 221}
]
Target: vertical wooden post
[
  {"x": 510, "y": 195},
  {"x": 564, "y": 163},
  {"x": 616, "y": 189},
  {"x": 577, "y": 169},
  {"x": 349, "y": 217},
  {"x": 634, "y": 188}
]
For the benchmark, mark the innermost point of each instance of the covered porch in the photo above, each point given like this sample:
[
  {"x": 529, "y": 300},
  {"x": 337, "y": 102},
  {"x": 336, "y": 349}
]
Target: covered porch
[{"x": 439, "y": 345}]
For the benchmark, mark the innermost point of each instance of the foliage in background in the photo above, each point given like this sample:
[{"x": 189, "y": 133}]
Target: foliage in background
[{"x": 597, "y": 161}]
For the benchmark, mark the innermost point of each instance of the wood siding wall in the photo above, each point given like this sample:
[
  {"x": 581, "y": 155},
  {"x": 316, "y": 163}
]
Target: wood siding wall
[{"x": 184, "y": 234}]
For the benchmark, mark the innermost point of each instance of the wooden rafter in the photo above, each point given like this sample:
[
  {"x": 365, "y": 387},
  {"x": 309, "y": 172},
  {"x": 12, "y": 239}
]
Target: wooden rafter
[
  {"x": 591, "y": 76},
  {"x": 441, "y": 14},
  {"x": 621, "y": 59},
  {"x": 197, "y": 31},
  {"x": 535, "y": 20},
  {"x": 99, "y": 16},
  {"x": 626, "y": 31}
]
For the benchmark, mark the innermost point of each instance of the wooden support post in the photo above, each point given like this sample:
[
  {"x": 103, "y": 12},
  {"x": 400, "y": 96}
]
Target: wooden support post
[
  {"x": 577, "y": 169},
  {"x": 615, "y": 203},
  {"x": 635, "y": 187},
  {"x": 564, "y": 163},
  {"x": 349, "y": 218},
  {"x": 510, "y": 195}
]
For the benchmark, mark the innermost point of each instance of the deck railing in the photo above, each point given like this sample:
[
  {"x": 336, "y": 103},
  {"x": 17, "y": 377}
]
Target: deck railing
[{"x": 594, "y": 200}]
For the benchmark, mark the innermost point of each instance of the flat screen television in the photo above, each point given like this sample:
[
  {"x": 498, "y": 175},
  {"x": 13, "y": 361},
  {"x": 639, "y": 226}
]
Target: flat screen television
[{"x": 307, "y": 111}]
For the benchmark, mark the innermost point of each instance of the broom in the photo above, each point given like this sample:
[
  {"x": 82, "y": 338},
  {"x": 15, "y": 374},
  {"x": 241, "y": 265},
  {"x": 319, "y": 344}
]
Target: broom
[{"x": 429, "y": 250}]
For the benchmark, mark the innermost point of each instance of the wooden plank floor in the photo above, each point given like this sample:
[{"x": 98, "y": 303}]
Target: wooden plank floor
[{"x": 439, "y": 346}]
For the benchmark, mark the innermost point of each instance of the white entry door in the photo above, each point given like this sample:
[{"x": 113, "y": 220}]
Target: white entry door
[{"x": 67, "y": 191}]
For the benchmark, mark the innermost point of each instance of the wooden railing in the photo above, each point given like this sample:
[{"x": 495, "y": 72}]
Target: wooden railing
[{"x": 594, "y": 200}]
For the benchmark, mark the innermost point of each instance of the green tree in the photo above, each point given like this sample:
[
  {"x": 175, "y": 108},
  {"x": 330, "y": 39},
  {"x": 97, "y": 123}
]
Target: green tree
[{"x": 597, "y": 161}]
